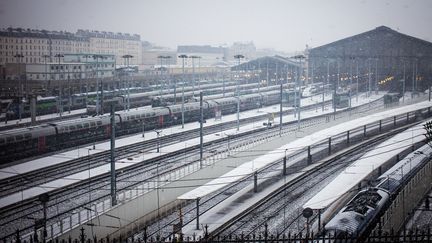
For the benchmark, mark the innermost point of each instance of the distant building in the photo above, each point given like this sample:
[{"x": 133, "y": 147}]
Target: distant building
[
  {"x": 208, "y": 55},
  {"x": 247, "y": 49},
  {"x": 29, "y": 46},
  {"x": 71, "y": 66},
  {"x": 380, "y": 57},
  {"x": 152, "y": 58},
  {"x": 117, "y": 44}
]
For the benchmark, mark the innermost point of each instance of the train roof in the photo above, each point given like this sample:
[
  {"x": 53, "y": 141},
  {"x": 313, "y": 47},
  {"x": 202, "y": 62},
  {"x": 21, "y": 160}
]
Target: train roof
[{"x": 144, "y": 113}]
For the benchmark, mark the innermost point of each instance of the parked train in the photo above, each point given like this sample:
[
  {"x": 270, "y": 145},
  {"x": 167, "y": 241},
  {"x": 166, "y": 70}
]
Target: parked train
[
  {"x": 23, "y": 142},
  {"x": 51, "y": 104},
  {"x": 363, "y": 210}
]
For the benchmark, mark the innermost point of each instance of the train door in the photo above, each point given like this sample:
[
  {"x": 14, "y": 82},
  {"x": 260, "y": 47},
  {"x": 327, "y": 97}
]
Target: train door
[
  {"x": 108, "y": 130},
  {"x": 161, "y": 121},
  {"x": 41, "y": 144}
]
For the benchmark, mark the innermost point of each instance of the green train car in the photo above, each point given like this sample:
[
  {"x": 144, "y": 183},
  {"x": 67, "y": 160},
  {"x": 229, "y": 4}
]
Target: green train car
[{"x": 341, "y": 100}]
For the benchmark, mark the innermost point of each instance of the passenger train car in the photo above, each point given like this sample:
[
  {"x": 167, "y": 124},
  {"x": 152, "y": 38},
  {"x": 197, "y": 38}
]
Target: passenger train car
[
  {"x": 61, "y": 134},
  {"x": 366, "y": 206}
]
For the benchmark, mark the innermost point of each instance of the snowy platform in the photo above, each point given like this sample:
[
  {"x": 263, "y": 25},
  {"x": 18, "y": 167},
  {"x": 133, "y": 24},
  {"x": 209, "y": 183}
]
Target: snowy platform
[
  {"x": 365, "y": 166},
  {"x": 291, "y": 148}
]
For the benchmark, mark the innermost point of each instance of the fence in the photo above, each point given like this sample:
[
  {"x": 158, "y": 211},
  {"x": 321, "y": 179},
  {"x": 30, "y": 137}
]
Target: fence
[{"x": 404, "y": 236}]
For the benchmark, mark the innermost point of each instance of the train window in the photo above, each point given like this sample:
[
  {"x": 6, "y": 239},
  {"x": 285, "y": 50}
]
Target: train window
[
  {"x": 86, "y": 125},
  {"x": 79, "y": 126},
  {"x": 72, "y": 128},
  {"x": 99, "y": 123},
  {"x": 93, "y": 124},
  {"x": 27, "y": 135},
  {"x": 19, "y": 137}
]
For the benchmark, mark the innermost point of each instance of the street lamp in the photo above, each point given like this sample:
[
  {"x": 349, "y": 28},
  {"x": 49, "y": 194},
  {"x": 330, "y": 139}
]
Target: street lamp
[
  {"x": 59, "y": 56},
  {"x": 299, "y": 57},
  {"x": 182, "y": 107},
  {"x": 127, "y": 57},
  {"x": 46, "y": 68},
  {"x": 238, "y": 57},
  {"x": 97, "y": 57},
  {"x": 20, "y": 58},
  {"x": 193, "y": 73}
]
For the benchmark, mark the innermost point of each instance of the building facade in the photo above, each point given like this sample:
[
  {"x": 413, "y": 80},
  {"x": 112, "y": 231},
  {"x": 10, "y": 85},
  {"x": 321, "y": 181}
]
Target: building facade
[
  {"x": 70, "y": 66},
  {"x": 31, "y": 46},
  {"x": 381, "y": 58},
  {"x": 117, "y": 44},
  {"x": 207, "y": 55},
  {"x": 38, "y": 46}
]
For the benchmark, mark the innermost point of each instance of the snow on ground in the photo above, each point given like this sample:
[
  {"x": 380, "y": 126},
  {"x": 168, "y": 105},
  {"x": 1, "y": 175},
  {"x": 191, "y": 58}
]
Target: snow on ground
[
  {"x": 50, "y": 160},
  {"x": 260, "y": 162},
  {"x": 365, "y": 166},
  {"x": 125, "y": 141}
]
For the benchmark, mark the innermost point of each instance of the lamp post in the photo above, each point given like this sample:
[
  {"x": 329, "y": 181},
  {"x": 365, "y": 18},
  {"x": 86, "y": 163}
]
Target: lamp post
[
  {"x": 357, "y": 81},
  {"x": 59, "y": 56},
  {"x": 46, "y": 68},
  {"x": 20, "y": 58},
  {"x": 351, "y": 77},
  {"x": 182, "y": 107},
  {"x": 160, "y": 77},
  {"x": 99, "y": 103},
  {"x": 127, "y": 57},
  {"x": 158, "y": 200},
  {"x": 193, "y": 73},
  {"x": 299, "y": 57},
  {"x": 238, "y": 57},
  {"x": 403, "y": 85},
  {"x": 369, "y": 76},
  {"x": 86, "y": 77}
]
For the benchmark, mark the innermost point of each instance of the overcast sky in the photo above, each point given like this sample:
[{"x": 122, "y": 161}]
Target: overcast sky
[{"x": 286, "y": 25}]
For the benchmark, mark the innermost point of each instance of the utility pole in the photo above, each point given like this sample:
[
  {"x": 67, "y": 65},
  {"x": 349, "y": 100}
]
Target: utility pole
[
  {"x": 201, "y": 128},
  {"x": 238, "y": 57},
  {"x": 280, "y": 111},
  {"x": 113, "y": 172},
  {"x": 369, "y": 77},
  {"x": 299, "y": 57},
  {"x": 127, "y": 57},
  {"x": 403, "y": 85},
  {"x": 59, "y": 56},
  {"x": 182, "y": 107}
]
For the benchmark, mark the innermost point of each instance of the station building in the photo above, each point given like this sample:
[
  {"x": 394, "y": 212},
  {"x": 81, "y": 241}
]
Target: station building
[{"x": 381, "y": 58}]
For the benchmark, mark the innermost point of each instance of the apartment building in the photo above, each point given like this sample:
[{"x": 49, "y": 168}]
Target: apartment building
[
  {"x": 117, "y": 44},
  {"x": 30, "y": 46}
]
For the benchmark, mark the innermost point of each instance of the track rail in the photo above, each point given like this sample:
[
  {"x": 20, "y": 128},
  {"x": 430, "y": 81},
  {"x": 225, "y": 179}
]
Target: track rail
[{"x": 293, "y": 190}]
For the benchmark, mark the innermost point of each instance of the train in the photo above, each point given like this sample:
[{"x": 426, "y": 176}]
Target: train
[
  {"x": 140, "y": 96},
  {"x": 62, "y": 134},
  {"x": 341, "y": 100},
  {"x": 362, "y": 211}
]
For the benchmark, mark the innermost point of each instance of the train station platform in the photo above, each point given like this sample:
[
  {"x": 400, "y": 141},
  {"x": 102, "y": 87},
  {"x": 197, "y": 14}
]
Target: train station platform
[{"x": 241, "y": 200}]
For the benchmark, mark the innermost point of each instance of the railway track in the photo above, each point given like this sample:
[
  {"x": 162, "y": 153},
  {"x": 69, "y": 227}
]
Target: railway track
[
  {"x": 155, "y": 229},
  {"x": 37, "y": 177},
  {"x": 65, "y": 200},
  {"x": 281, "y": 211}
]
